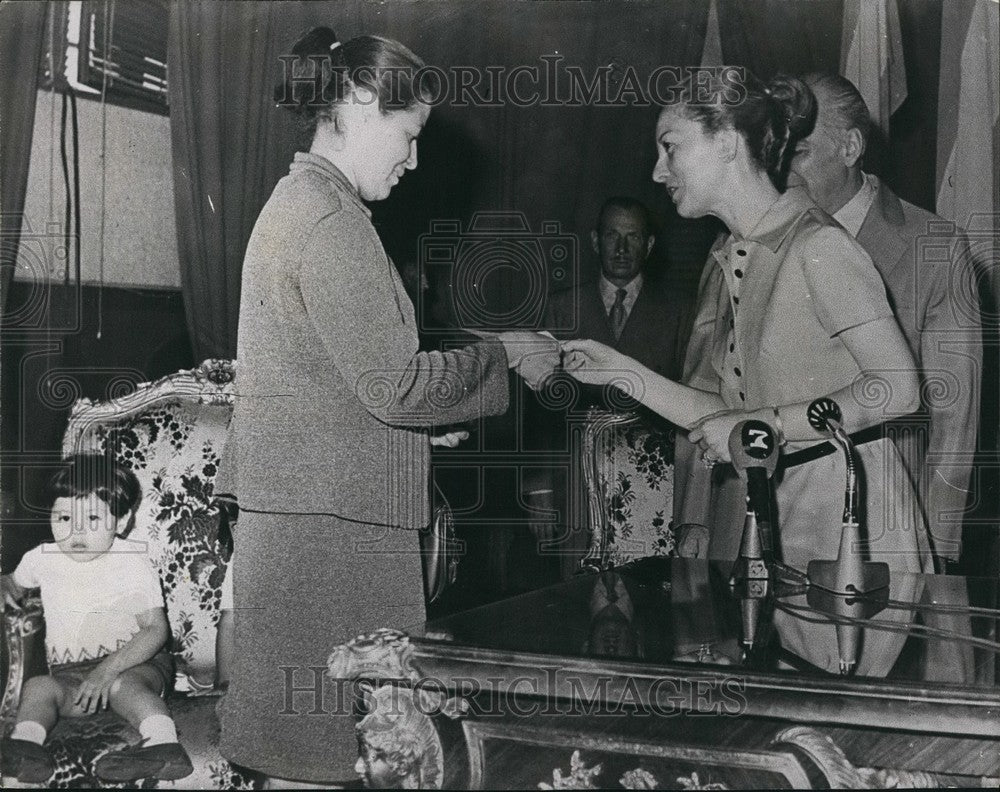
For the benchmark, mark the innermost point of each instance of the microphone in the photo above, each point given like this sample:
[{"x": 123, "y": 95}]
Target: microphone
[
  {"x": 824, "y": 415},
  {"x": 754, "y": 451},
  {"x": 849, "y": 586}
]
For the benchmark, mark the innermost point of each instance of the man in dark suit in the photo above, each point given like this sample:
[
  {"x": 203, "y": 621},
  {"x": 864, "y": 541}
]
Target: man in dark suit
[
  {"x": 623, "y": 308},
  {"x": 928, "y": 273}
]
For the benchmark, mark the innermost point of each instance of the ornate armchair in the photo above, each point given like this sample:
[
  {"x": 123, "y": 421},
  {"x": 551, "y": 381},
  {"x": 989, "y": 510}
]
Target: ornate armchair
[
  {"x": 628, "y": 473},
  {"x": 170, "y": 433}
]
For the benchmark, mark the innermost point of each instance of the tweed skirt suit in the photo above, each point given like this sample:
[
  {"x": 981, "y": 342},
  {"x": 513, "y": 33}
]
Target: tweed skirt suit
[{"x": 331, "y": 468}]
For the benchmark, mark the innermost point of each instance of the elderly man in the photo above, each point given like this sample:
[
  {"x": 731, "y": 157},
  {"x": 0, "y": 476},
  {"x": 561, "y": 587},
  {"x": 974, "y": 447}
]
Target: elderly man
[{"x": 929, "y": 280}]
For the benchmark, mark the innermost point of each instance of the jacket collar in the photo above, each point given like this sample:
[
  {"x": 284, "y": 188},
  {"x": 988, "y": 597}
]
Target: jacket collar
[
  {"x": 888, "y": 204},
  {"x": 307, "y": 161},
  {"x": 880, "y": 234}
]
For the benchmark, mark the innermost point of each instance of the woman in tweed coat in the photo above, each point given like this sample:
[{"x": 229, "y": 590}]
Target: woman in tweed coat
[{"x": 331, "y": 462}]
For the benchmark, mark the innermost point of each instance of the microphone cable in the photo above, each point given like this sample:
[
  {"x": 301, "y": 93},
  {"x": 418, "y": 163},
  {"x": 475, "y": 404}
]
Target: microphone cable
[
  {"x": 68, "y": 214},
  {"x": 934, "y": 607},
  {"x": 919, "y": 630},
  {"x": 74, "y": 117},
  {"x": 800, "y": 578},
  {"x": 109, "y": 21}
]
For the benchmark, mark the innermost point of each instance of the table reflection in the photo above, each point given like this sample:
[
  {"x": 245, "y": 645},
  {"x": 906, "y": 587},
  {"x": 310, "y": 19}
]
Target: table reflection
[{"x": 666, "y": 611}]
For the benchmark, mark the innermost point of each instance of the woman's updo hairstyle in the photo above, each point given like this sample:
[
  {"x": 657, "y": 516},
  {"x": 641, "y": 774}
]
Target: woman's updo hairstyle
[
  {"x": 771, "y": 118},
  {"x": 321, "y": 72}
]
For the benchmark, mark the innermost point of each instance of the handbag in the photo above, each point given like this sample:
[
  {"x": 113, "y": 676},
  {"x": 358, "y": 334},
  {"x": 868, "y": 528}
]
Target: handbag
[{"x": 440, "y": 549}]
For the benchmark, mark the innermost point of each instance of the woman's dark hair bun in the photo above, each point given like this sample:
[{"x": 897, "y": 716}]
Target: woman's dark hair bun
[
  {"x": 317, "y": 41},
  {"x": 300, "y": 96},
  {"x": 792, "y": 116},
  {"x": 798, "y": 102}
]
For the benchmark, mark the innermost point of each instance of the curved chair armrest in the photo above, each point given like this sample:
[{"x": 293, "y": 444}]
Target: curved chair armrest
[{"x": 22, "y": 635}]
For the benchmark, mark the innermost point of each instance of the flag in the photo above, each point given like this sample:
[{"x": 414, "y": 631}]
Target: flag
[
  {"x": 968, "y": 103},
  {"x": 871, "y": 56},
  {"x": 711, "y": 55}
]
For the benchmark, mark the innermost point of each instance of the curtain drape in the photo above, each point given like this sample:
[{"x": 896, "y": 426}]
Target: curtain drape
[
  {"x": 22, "y": 27},
  {"x": 550, "y": 164},
  {"x": 221, "y": 57},
  {"x": 772, "y": 36}
]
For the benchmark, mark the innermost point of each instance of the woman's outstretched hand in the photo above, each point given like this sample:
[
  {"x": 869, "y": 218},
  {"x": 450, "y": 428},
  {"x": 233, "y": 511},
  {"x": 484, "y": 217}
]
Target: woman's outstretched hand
[
  {"x": 711, "y": 435},
  {"x": 594, "y": 363},
  {"x": 534, "y": 356}
]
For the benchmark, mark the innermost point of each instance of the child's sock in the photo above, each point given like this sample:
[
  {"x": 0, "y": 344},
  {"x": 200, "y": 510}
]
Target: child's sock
[
  {"x": 158, "y": 729},
  {"x": 31, "y": 731}
]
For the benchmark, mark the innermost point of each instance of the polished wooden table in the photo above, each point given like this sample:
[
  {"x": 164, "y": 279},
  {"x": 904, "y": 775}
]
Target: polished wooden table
[{"x": 639, "y": 678}]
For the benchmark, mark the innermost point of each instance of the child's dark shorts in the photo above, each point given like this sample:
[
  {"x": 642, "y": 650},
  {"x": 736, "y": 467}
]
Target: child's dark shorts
[{"x": 72, "y": 674}]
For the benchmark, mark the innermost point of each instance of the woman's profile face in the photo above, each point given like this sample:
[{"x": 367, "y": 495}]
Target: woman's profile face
[
  {"x": 385, "y": 148},
  {"x": 688, "y": 164}
]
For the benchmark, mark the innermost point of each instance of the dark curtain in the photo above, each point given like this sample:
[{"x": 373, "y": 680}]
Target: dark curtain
[
  {"x": 221, "y": 63},
  {"x": 22, "y": 27},
  {"x": 772, "y": 36},
  {"x": 549, "y": 164}
]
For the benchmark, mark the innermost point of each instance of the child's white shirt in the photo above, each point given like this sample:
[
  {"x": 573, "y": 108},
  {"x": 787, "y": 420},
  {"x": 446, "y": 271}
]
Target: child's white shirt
[{"x": 90, "y": 607}]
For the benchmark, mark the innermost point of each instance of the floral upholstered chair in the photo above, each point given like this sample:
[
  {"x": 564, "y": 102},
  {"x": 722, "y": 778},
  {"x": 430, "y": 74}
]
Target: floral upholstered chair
[
  {"x": 170, "y": 433},
  {"x": 629, "y": 476}
]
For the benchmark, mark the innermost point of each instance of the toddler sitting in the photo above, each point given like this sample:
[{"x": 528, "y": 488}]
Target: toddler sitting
[{"x": 105, "y": 629}]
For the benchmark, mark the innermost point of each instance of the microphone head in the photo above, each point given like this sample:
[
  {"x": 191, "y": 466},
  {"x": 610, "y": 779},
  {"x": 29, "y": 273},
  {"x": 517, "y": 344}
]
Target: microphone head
[
  {"x": 752, "y": 444},
  {"x": 821, "y": 412}
]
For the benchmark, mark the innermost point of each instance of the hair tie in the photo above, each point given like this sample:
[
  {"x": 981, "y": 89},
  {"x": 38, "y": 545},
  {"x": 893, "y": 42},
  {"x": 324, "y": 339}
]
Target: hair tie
[{"x": 334, "y": 46}]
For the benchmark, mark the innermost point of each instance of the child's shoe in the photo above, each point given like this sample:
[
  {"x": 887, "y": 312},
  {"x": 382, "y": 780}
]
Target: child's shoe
[
  {"x": 26, "y": 761},
  {"x": 165, "y": 761}
]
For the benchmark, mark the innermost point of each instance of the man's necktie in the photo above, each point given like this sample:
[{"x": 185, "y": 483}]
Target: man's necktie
[{"x": 618, "y": 314}]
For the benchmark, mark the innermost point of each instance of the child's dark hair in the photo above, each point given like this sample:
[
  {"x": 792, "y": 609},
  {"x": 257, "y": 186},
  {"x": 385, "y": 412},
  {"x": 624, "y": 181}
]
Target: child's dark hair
[
  {"x": 321, "y": 71},
  {"x": 97, "y": 474}
]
